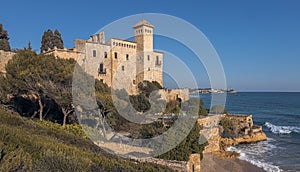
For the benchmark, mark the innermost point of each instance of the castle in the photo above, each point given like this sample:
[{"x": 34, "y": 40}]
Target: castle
[{"x": 121, "y": 64}]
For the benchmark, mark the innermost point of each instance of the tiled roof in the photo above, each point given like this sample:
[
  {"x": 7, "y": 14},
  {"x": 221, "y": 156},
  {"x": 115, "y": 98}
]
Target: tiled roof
[{"x": 143, "y": 23}]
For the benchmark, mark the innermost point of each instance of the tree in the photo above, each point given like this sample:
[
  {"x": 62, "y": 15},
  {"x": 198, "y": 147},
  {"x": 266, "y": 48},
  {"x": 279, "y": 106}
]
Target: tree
[
  {"x": 57, "y": 40},
  {"x": 23, "y": 78},
  {"x": 42, "y": 77},
  {"x": 51, "y": 40},
  {"x": 59, "y": 87},
  {"x": 147, "y": 87},
  {"x": 4, "y": 44},
  {"x": 187, "y": 146}
]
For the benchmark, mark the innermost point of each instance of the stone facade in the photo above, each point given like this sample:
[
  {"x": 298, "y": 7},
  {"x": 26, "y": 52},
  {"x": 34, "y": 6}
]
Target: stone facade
[
  {"x": 121, "y": 64},
  {"x": 5, "y": 56}
]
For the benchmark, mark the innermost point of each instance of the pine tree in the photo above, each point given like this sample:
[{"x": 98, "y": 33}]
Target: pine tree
[
  {"x": 57, "y": 40},
  {"x": 51, "y": 40},
  {"x": 4, "y": 44},
  {"x": 47, "y": 40}
]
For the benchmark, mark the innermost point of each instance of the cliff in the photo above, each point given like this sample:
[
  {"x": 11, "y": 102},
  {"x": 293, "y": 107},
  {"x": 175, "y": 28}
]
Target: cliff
[
  {"x": 223, "y": 131},
  {"x": 253, "y": 138}
]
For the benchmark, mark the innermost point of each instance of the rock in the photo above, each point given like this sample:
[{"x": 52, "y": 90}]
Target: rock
[{"x": 253, "y": 138}]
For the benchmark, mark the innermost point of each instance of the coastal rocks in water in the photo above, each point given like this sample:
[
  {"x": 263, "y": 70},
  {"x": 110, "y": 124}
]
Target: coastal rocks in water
[
  {"x": 227, "y": 154},
  {"x": 255, "y": 137}
]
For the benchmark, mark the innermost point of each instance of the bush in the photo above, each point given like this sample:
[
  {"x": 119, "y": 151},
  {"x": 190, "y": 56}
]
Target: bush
[{"x": 26, "y": 145}]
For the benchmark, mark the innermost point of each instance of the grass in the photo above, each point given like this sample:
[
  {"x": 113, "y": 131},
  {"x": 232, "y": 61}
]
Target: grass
[{"x": 27, "y": 145}]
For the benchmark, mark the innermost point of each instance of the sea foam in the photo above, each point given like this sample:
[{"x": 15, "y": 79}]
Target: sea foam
[
  {"x": 246, "y": 156},
  {"x": 282, "y": 129}
]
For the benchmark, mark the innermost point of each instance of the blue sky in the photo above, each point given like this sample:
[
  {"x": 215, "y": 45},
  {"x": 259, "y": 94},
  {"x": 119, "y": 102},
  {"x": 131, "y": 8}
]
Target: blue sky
[{"x": 258, "y": 41}]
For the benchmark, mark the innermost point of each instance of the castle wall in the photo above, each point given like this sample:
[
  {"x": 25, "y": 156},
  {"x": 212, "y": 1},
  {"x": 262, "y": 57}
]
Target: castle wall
[
  {"x": 124, "y": 63},
  {"x": 183, "y": 94}
]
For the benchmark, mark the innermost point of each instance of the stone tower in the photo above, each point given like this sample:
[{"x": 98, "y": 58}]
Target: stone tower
[{"x": 143, "y": 36}]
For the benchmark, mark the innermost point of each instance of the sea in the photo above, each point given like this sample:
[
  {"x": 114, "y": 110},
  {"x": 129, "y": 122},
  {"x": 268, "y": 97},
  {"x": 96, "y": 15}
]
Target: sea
[{"x": 279, "y": 114}]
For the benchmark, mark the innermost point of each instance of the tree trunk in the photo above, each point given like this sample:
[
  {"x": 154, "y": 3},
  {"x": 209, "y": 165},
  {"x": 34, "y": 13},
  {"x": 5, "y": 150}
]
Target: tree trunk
[
  {"x": 34, "y": 114},
  {"x": 41, "y": 107},
  {"x": 65, "y": 117}
]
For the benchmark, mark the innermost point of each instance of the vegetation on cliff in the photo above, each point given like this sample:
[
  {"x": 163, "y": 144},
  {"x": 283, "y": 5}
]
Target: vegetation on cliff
[
  {"x": 27, "y": 145},
  {"x": 40, "y": 86},
  {"x": 187, "y": 146}
]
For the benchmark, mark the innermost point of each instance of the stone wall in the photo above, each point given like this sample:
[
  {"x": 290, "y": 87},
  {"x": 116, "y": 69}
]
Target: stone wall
[
  {"x": 211, "y": 131},
  {"x": 64, "y": 53},
  {"x": 193, "y": 164},
  {"x": 179, "y": 166},
  {"x": 182, "y": 94},
  {"x": 5, "y": 56}
]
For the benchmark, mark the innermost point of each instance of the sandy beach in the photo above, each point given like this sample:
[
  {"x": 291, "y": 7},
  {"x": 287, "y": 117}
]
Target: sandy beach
[{"x": 212, "y": 163}]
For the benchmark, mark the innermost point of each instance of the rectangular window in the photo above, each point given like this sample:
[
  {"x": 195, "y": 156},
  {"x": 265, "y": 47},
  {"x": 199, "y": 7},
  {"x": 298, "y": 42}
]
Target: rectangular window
[
  {"x": 116, "y": 55},
  {"x": 148, "y": 58},
  {"x": 94, "y": 53},
  {"x": 148, "y": 68},
  {"x": 123, "y": 68},
  {"x": 101, "y": 69},
  {"x": 105, "y": 54},
  {"x": 157, "y": 62},
  {"x": 127, "y": 57}
]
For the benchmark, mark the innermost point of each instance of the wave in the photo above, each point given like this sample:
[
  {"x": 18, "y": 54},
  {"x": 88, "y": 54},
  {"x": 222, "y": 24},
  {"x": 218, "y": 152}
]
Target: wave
[
  {"x": 282, "y": 129},
  {"x": 244, "y": 155}
]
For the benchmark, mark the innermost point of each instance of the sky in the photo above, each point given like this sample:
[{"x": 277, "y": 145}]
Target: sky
[{"x": 257, "y": 41}]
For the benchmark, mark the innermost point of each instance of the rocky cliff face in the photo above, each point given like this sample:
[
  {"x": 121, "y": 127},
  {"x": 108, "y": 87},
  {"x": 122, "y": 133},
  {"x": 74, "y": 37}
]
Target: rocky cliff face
[
  {"x": 223, "y": 131},
  {"x": 253, "y": 138}
]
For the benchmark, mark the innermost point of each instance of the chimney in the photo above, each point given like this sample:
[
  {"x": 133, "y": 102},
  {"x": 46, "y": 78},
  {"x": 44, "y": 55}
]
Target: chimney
[{"x": 102, "y": 38}]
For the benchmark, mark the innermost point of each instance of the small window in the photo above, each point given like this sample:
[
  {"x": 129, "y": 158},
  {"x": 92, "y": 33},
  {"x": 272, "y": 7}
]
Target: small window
[
  {"x": 148, "y": 57},
  {"x": 94, "y": 53},
  {"x": 116, "y": 55},
  {"x": 105, "y": 54},
  {"x": 127, "y": 57},
  {"x": 123, "y": 68},
  {"x": 133, "y": 82},
  {"x": 157, "y": 60},
  {"x": 148, "y": 68}
]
